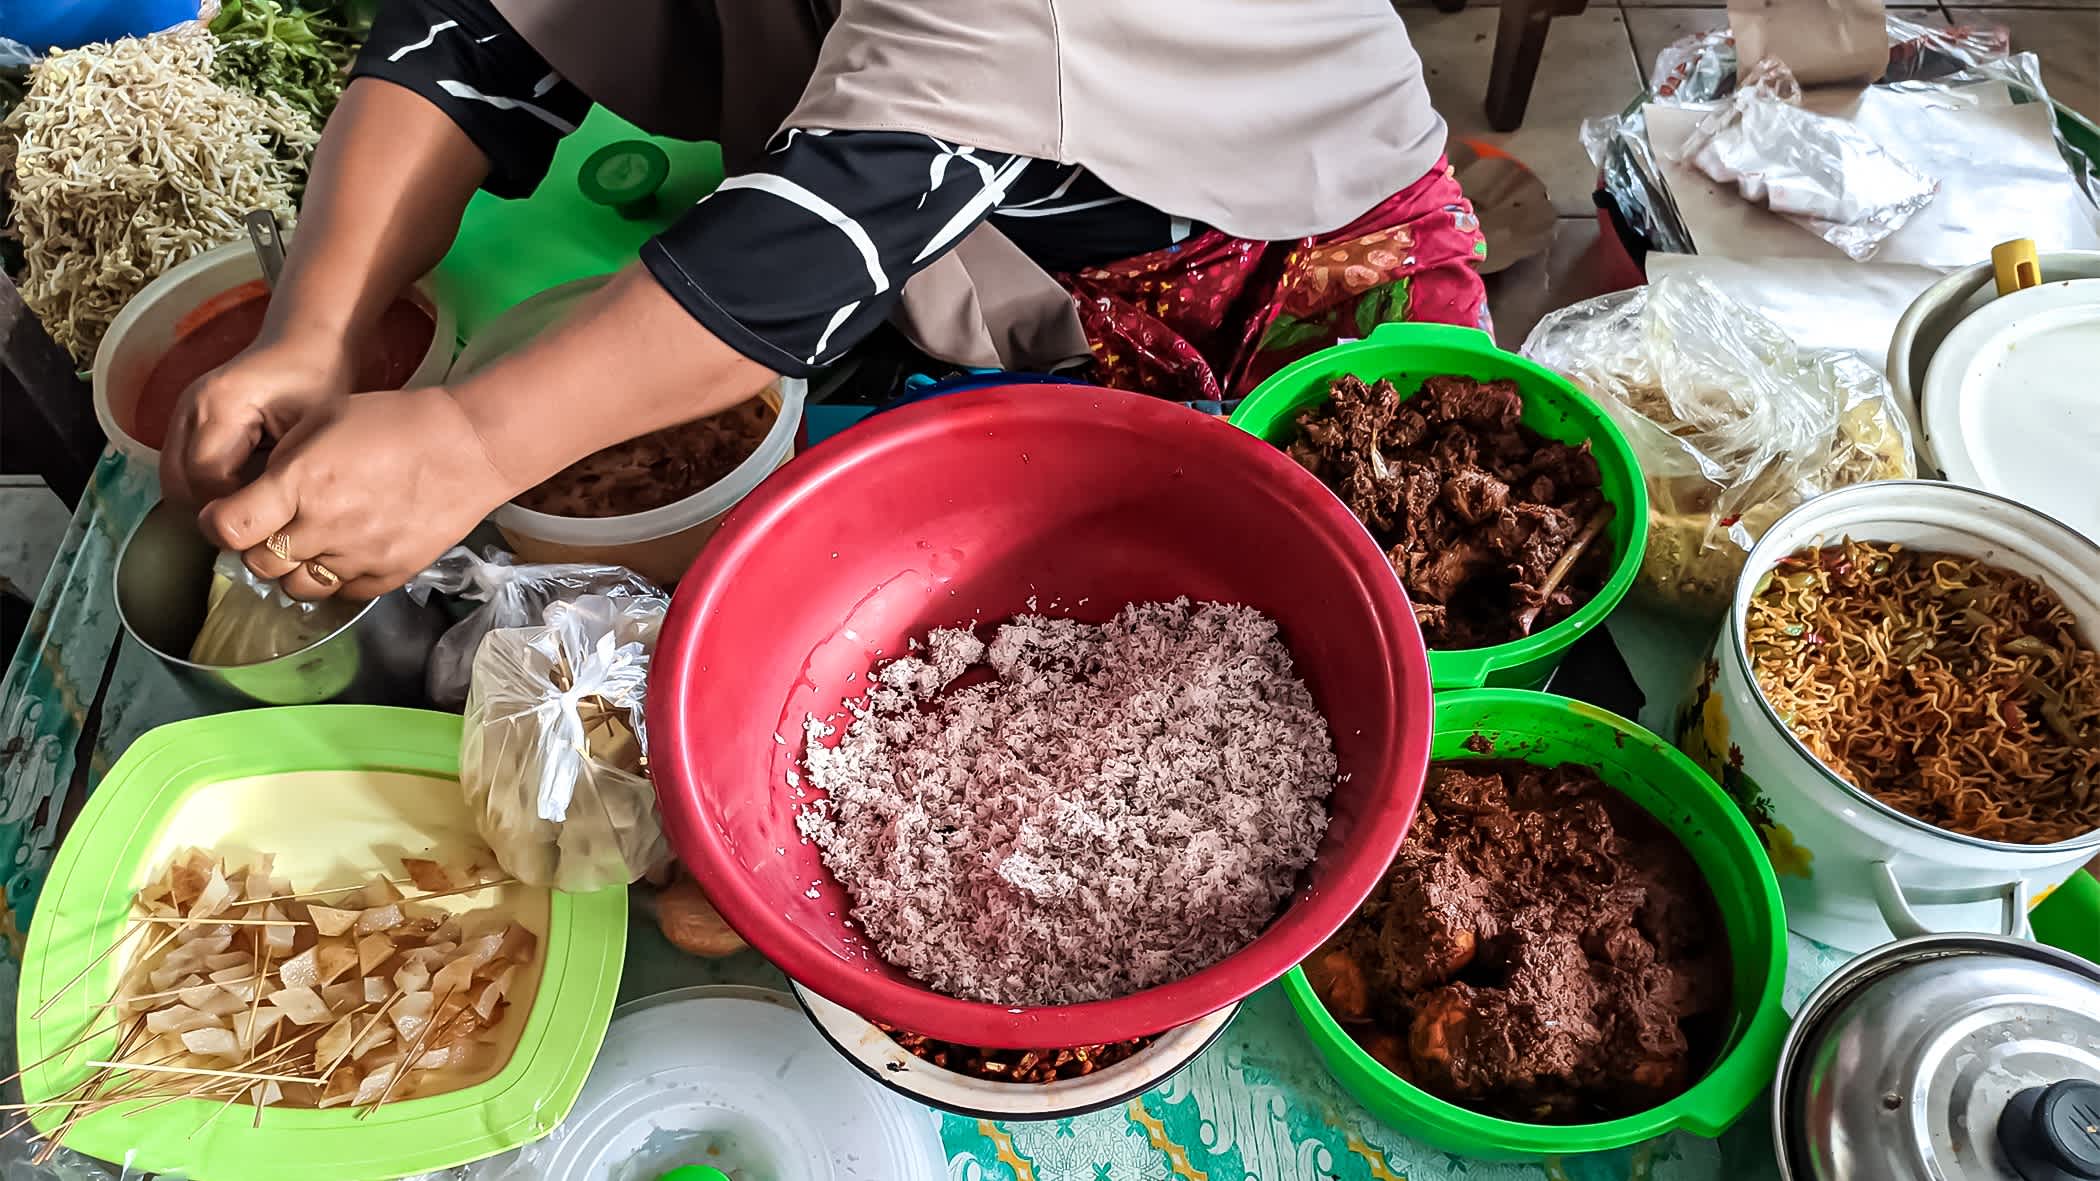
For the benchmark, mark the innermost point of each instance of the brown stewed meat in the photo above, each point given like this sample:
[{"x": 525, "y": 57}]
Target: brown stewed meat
[
  {"x": 1541, "y": 950},
  {"x": 1476, "y": 511}
]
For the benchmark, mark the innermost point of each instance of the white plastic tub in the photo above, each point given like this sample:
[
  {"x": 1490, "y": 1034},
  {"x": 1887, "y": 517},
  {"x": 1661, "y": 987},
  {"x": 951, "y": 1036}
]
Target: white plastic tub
[
  {"x": 142, "y": 332},
  {"x": 1940, "y": 309},
  {"x": 661, "y": 543},
  {"x": 1855, "y": 872},
  {"x": 879, "y": 1056}
]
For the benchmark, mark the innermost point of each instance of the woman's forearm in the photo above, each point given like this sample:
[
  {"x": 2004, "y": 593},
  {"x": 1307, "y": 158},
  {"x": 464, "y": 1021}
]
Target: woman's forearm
[
  {"x": 628, "y": 361},
  {"x": 390, "y": 180}
]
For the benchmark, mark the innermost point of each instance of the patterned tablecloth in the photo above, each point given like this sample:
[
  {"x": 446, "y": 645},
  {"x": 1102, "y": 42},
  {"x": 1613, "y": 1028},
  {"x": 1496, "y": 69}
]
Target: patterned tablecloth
[{"x": 1258, "y": 1106}]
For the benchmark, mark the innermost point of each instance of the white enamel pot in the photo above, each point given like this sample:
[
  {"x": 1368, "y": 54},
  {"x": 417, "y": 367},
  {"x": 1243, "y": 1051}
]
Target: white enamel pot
[{"x": 1854, "y": 871}]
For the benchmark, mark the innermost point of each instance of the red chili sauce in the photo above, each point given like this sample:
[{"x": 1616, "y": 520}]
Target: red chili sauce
[{"x": 220, "y": 327}]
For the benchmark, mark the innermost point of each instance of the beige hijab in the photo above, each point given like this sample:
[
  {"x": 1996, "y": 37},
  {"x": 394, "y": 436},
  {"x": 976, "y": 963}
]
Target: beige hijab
[{"x": 1269, "y": 119}]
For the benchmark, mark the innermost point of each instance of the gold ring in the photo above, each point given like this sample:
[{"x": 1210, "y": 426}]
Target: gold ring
[
  {"x": 322, "y": 574},
  {"x": 280, "y": 543}
]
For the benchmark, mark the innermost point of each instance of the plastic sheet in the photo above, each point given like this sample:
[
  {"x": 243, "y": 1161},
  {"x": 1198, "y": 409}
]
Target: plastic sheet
[
  {"x": 512, "y": 595},
  {"x": 1703, "y": 69},
  {"x": 20, "y": 1146},
  {"x": 1733, "y": 422},
  {"x": 1823, "y": 174},
  {"x": 554, "y": 756}
]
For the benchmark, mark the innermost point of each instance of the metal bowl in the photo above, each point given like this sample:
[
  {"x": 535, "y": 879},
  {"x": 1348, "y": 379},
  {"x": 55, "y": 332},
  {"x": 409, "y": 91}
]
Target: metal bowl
[{"x": 163, "y": 582}]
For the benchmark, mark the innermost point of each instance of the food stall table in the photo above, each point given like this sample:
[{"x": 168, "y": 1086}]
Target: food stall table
[{"x": 1257, "y": 1105}]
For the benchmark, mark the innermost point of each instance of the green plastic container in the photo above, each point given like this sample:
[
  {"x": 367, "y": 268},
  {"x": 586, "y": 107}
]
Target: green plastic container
[
  {"x": 1408, "y": 353},
  {"x": 2069, "y": 919},
  {"x": 1539, "y": 728},
  {"x": 271, "y": 781},
  {"x": 574, "y": 225}
]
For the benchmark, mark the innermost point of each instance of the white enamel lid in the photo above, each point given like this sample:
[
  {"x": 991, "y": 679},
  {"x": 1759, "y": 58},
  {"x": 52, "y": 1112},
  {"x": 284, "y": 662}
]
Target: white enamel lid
[
  {"x": 2012, "y": 400},
  {"x": 735, "y": 1079}
]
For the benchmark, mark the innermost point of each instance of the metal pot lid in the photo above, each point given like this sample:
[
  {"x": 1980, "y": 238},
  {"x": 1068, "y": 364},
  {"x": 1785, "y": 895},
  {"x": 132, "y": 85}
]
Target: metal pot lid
[{"x": 1949, "y": 1057}]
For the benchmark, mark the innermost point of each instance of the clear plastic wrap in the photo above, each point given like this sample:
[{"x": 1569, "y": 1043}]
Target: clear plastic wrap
[
  {"x": 1733, "y": 423},
  {"x": 1823, "y": 174},
  {"x": 512, "y": 595},
  {"x": 249, "y": 620},
  {"x": 1702, "y": 68},
  {"x": 553, "y": 758}
]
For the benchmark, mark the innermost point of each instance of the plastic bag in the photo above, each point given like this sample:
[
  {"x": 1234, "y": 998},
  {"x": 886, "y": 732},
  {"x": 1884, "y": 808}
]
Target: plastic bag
[
  {"x": 1823, "y": 174},
  {"x": 554, "y": 757},
  {"x": 1702, "y": 68},
  {"x": 1733, "y": 423},
  {"x": 511, "y": 595},
  {"x": 249, "y": 620}
]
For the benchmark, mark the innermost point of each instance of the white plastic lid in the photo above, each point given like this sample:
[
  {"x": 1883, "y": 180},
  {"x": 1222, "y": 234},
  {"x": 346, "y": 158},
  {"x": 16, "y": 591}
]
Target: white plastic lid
[
  {"x": 733, "y": 1078},
  {"x": 2009, "y": 404}
]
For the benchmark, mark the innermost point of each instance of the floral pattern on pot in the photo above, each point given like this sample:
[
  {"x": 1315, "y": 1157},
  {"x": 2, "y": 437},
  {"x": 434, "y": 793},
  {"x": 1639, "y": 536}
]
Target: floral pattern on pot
[{"x": 1702, "y": 734}]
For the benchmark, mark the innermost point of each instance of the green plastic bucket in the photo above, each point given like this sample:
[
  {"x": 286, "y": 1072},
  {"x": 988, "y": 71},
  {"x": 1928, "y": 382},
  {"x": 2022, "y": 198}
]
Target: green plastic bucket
[
  {"x": 1539, "y": 728},
  {"x": 1408, "y": 353}
]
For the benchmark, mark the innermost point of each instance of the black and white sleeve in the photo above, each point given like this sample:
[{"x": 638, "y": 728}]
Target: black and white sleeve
[
  {"x": 794, "y": 261},
  {"x": 464, "y": 58}
]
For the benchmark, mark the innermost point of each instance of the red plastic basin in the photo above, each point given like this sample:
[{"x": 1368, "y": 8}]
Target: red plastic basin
[{"x": 963, "y": 508}]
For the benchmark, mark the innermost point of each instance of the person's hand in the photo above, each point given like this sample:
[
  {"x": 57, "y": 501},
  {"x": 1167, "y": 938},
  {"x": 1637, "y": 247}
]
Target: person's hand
[
  {"x": 362, "y": 495},
  {"x": 264, "y": 393}
]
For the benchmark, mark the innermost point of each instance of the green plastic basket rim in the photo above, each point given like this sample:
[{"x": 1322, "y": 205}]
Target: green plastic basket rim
[{"x": 96, "y": 867}]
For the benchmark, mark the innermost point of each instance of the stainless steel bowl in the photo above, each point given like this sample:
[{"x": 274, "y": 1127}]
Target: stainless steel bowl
[{"x": 164, "y": 579}]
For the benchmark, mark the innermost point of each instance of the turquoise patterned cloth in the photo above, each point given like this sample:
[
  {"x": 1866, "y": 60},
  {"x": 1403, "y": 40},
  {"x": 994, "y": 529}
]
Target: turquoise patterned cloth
[{"x": 1257, "y": 1106}]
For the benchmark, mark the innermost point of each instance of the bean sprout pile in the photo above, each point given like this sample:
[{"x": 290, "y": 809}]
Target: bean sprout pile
[{"x": 125, "y": 159}]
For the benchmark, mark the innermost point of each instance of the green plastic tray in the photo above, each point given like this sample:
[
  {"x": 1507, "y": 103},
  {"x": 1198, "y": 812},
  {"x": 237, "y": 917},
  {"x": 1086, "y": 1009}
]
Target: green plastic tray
[
  {"x": 198, "y": 781},
  {"x": 1408, "y": 353},
  {"x": 1539, "y": 728}
]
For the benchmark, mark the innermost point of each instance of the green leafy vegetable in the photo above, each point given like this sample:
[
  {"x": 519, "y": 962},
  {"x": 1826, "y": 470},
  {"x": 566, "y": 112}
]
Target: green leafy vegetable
[{"x": 300, "y": 54}]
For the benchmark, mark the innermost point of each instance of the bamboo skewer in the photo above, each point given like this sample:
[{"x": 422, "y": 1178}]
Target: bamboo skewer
[
  {"x": 304, "y": 895},
  {"x": 1559, "y": 571},
  {"x": 83, "y": 1039},
  {"x": 408, "y": 1060},
  {"x": 129, "y": 931},
  {"x": 215, "y": 921},
  {"x": 209, "y": 1072}
]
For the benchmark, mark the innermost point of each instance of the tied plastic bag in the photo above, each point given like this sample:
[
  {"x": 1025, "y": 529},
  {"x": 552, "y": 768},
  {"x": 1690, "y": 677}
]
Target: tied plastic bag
[
  {"x": 512, "y": 595},
  {"x": 554, "y": 757},
  {"x": 1734, "y": 424},
  {"x": 1822, "y": 174},
  {"x": 250, "y": 620}
]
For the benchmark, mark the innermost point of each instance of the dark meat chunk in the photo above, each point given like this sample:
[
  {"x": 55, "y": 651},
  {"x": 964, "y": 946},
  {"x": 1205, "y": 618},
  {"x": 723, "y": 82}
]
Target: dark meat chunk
[
  {"x": 1474, "y": 495},
  {"x": 1474, "y": 509},
  {"x": 1540, "y": 950},
  {"x": 1491, "y": 404}
]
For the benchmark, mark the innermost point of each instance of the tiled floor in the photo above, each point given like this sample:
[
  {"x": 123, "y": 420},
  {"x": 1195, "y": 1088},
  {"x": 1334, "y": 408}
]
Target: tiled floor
[{"x": 1595, "y": 64}]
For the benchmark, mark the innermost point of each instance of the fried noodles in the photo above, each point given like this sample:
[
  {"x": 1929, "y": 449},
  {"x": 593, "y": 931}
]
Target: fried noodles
[{"x": 1950, "y": 689}]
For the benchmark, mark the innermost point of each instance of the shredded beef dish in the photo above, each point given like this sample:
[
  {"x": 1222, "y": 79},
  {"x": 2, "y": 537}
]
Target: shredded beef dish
[
  {"x": 659, "y": 468},
  {"x": 1541, "y": 950},
  {"x": 1494, "y": 530}
]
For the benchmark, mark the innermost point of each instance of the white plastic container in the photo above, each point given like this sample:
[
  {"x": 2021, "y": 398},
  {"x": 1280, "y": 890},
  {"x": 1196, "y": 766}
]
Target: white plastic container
[
  {"x": 882, "y": 1059},
  {"x": 2007, "y": 405},
  {"x": 1945, "y": 304},
  {"x": 661, "y": 543},
  {"x": 731, "y": 1077},
  {"x": 142, "y": 332},
  {"x": 1854, "y": 871}
]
